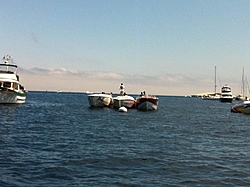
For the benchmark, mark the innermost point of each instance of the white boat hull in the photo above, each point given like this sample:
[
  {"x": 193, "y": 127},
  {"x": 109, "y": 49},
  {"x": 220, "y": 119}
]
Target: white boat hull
[
  {"x": 211, "y": 98},
  {"x": 11, "y": 97},
  {"x": 99, "y": 100},
  {"x": 126, "y": 101}
]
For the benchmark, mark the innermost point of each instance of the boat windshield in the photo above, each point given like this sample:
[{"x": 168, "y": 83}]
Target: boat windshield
[{"x": 9, "y": 68}]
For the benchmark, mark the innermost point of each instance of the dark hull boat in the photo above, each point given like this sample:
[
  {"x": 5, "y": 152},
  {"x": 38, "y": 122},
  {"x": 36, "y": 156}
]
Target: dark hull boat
[{"x": 146, "y": 103}]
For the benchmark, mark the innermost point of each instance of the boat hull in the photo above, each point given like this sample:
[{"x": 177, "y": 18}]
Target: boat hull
[
  {"x": 12, "y": 97},
  {"x": 146, "y": 104},
  {"x": 226, "y": 99},
  {"x": 211, "y": 98},
  {"x": 123, "y": 101},
  {"x": 99, "y": 100}
]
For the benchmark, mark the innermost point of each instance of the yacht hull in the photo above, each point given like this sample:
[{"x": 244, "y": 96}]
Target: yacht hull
[
  {"x": 226, "y": 99},
  {"x": 12, "y": 97}
]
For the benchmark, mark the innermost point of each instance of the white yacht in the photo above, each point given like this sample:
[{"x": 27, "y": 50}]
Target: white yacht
[
  {"x": 11, "y": 91},
  {"x": 226, "y": 94}
]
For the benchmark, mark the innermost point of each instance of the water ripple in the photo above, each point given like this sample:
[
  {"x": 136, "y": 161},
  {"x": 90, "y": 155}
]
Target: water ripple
[{"x": 57, "y": 140}]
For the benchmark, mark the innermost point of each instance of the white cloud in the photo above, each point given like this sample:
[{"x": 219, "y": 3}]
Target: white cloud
[{"x": 75, "y": 80}]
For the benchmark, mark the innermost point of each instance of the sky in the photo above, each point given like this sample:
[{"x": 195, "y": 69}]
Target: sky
[{"x": 166, "y": 47}]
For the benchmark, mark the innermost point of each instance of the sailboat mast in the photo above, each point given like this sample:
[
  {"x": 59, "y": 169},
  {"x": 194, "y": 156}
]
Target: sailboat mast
[
  {"x": 243, "y": 83},
  {"x": 215, "y": 85}
]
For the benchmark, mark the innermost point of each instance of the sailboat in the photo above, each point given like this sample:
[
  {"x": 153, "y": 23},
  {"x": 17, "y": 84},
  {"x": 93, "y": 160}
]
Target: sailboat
[
  {"x": 215, "y": 95},
  {"x": 244, "y": 106},
  {"x": 242, "y": 96}
]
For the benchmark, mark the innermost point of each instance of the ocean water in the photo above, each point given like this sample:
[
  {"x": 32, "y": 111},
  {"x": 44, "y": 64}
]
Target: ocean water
[{"x": 55, "y": 139}]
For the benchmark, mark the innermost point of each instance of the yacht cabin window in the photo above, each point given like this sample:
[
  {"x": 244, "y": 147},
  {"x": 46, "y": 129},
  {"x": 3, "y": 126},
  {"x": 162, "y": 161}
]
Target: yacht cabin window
[{"x": 7, "y": 84}]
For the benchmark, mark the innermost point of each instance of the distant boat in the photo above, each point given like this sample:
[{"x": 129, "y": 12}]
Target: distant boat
[
  {"x": 211, "y": 97},
  {"x": 226, "y": 94},
  {"x": 11, "y": 91},
  {"x": 99, "y": 100},
  {"x": 124, "y": 100},
  {"x": 215, "y": 95},
  {"x": 239, "y": 97},
  {"x": 88, "y": 92},
  {"x": 146, "y": 103}
]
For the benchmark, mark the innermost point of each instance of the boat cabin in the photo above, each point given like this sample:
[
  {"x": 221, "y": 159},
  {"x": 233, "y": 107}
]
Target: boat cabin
[
  {"x": 225, "y": 89},
  {"x": 8, "y": 68},
  {"x": 12, "y": 86}
]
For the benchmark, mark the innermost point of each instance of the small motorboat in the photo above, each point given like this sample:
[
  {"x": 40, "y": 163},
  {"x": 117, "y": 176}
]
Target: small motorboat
[
  {"x": 100, "y": 100},
  {"x": 123, "y": 100},
  {"x": 146, "y": 103},
  {"x": 11, "y": 91},
  {"x": 226, "y": 94},
  {"x": 243, "y": 107},
  {"x": 240, "y": 97}
]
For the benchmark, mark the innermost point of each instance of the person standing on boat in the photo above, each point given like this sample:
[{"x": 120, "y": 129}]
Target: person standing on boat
[{"x": 122, "y": 87}]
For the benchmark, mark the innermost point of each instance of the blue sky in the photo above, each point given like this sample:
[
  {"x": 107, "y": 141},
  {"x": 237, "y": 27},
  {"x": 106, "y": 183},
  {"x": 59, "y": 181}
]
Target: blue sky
[{"x": 162, "y": 46}]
